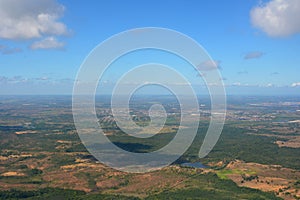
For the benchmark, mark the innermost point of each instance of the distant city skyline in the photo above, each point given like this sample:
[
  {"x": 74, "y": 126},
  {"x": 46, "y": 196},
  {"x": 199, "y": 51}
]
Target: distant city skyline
[{"x": 254, "y": 43}]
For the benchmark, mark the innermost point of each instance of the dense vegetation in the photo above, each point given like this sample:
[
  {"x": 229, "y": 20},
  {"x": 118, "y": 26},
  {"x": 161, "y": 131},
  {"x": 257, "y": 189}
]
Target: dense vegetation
[
  {"x": 57, "y": 194},
  {"x": 57, "y": 144},
  {"x": 203, "y": 187}
]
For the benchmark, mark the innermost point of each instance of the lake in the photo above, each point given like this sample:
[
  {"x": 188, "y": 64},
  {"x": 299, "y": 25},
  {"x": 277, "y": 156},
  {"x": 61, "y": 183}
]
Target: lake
[{"x": 194, "y": 165}]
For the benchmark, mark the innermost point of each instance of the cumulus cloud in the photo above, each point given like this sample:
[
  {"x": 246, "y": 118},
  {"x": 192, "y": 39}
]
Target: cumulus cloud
[
  {"x": 277, "y": 18},
  {"x": 47, "y": 43},
  {"x": 30, "y": 19},
  {"x": 209, "y": 65},
  {"x": 253, "y": 54},
  {"x": 297, "y": 84}
]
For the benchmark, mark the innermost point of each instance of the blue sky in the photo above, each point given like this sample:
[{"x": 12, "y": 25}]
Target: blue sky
[{"x": 255, "y": 43}]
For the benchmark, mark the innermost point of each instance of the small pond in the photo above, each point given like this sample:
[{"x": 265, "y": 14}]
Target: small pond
[{"x": 194, "y": 165}]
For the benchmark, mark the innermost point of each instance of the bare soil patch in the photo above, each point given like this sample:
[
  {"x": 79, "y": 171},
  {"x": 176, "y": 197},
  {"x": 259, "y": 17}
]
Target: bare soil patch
[{"x": 270, "y": 178}]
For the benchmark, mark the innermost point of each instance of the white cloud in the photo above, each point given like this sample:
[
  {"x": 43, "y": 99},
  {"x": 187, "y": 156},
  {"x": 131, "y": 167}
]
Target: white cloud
[
  {"x": 43, "y": 78},
  {"x": 12, "y": 80},
  {"x": 297, "y": 84},
  {"x": 48, "y": 43},
  {"x": 262, "y": 85},
  {"x": 253, "y": 54},
  {"x": 15, "y": 80},
  {"x": 277, "y": 18},
  {"x": 236, "y": 84},
  {"x": 30, "y": 19},
  {"x": 209, "y": 65}
]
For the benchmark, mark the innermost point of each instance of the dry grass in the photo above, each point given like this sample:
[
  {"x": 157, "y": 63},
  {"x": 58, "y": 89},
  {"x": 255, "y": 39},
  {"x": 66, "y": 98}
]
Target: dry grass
[
  {"x": 289, "y": 141},
  {"x": 293, "y": 142},
  {"x": 12, "y": 174},
  {"x": 25, "y": 132},
  {"x": 269, "y": 178}
]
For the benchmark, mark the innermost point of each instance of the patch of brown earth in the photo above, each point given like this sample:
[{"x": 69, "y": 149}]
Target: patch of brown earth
[
  {"x": 66, "y": 180},
  {"x": 12, "y": 174},
  {"x": 293, "y": 142},
  {"x": 25, "y": 132},
  {"x": 290, "y": 141},
  {"x": 142, "y": 184},
  {"x": 269, "y": 178}
]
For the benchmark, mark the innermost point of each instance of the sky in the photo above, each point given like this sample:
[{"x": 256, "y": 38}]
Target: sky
[{"x": 255, "y": 44}]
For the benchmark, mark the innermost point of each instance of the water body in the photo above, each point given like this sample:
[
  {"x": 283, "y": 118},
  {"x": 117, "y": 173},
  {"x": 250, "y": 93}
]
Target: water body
[
  {"x": 194, "y": 165},
  {"x": 11, "y": 128}
]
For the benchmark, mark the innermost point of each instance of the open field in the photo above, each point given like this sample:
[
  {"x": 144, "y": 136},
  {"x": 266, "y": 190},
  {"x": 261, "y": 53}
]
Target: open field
[
  {"x": 284, "y": 182},
  {"x": 42, "y": 155}
]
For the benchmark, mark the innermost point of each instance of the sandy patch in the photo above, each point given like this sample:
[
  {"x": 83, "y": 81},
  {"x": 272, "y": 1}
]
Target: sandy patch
[
  {"x": 25, "y": 132},
  {"x": 12, "y": 174},
  {"x": 292, "y": 143},
  {"x": 2, "y": 158},
  {"x": 268, "y": 178}
]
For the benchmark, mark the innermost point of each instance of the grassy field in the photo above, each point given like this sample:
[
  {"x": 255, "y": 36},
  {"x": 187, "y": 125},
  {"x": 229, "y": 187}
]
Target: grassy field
[{"x": 41, "y": 156}]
